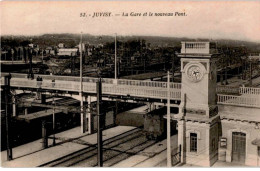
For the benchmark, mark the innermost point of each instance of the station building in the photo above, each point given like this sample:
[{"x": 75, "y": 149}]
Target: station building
[{"x": 207, "y": 131}]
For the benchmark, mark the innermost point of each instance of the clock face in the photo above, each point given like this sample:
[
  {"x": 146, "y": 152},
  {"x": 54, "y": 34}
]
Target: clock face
[{"x": 194, "y": 73}]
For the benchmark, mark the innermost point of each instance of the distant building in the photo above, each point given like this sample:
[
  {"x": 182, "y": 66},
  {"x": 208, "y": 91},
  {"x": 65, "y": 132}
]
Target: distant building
[
  {"x": 48, "y": 49},
  {"x": 68, "y": 52},
  {"x": 255, "y": 57},
  {"x": 61, "y": 45},
  {"x": 33, "y": 45},
  {"x": 30, "y": 45},
  {"x": 83, "y": 47},
  {"x": 89, "y": 51},
  {"x": 52, "y": 52}
]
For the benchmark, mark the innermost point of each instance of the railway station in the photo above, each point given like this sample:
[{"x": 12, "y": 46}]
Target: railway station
[{"x": 145, "y": 123}]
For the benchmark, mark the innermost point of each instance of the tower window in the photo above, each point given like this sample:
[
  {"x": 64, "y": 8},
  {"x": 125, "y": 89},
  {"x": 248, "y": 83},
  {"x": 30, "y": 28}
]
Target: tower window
[{"x": 193, "y": 142}]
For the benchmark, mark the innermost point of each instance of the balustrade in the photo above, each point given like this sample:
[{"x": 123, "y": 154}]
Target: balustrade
[
  {"x": 136, "y": 88},
  {"x": 249, "y": 90},
  {"x": 146, "y": 89},
  {"x": 227, "y": 90},
  {"x": 239, "y": 100}
]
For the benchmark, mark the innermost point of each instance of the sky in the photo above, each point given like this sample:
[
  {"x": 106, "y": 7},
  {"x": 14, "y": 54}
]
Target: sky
[{"x": 238, "y": 20}]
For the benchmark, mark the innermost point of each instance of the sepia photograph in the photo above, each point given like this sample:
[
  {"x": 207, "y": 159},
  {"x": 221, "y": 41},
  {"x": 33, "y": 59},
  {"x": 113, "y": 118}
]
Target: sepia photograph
[{"x": 130, "y": 84}]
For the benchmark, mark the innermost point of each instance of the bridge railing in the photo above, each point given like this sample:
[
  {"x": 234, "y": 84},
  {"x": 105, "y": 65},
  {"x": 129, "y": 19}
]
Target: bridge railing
[
  {"x": 239, "y": 100},
  {"x": 249, "y": 90},
  {"x": 104, "y": 80},
  {"x": 147, "y": 83},
  {"x": 222, "y": 89},
  {"x": 108, "y": 88},
  {"x": 136, "y": 91},
  {"x": 147, "y": 89}
]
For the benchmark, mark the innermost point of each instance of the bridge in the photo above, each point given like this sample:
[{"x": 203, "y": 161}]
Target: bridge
[{"x": 238, "y": 96}]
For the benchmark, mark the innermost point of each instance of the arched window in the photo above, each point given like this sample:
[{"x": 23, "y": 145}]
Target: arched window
[{"x": 193, "y": 142}]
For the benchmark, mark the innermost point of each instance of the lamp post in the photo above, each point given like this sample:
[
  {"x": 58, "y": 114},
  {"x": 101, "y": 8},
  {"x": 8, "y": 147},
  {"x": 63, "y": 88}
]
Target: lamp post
[{"x": 169, "y": 160}]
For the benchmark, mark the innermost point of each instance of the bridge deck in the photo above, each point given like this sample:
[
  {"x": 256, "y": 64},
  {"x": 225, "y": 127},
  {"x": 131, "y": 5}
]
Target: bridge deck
[
  {"x": 123, "y": 87},
  {"x": 245, "y": 96}
]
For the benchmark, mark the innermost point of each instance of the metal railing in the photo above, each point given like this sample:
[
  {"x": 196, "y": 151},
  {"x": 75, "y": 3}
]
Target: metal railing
[
  {"x": 221, "y": 89},
  {"x": 124, "y": 82},
  {"x": 148, "y": 83},
  {"x": 147, "y": 89},
  {"x": 249, "y": 90},
  {"x": 239, "y": 100}
]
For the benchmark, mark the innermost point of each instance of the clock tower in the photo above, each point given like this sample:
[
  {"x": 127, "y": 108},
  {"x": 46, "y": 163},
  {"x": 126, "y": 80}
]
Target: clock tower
[{"x": 198, "y": 118}]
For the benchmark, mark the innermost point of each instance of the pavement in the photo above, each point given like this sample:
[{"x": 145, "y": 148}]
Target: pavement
[
  {"x": 228, "y": 164},
  {"x": 33, "y": 155},
  {"x": 219, "y": 164}
]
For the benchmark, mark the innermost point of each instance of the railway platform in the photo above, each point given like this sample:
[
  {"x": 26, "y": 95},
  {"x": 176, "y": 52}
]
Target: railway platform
[
  {"x": 33, "y": 155},
  {"x": 153, "y": 156}
]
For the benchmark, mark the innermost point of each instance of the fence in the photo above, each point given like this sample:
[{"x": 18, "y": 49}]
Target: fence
[
  {"x": 239, "y": 100},
  {"x": 227, "y": 89},
  {"x": 157, "y": 90},
  {"x": 249, "y": 90},
  {"x": 135, "y": 88}
]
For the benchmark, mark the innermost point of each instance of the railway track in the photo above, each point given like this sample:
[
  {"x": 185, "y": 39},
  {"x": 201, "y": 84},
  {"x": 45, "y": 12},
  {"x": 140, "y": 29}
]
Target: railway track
[{"x": 115, "y": 150}]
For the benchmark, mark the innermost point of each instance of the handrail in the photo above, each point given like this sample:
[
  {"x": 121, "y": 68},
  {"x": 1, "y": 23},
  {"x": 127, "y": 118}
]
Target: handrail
[
  {"x": 249, "y": 90},
  {"x": 238, "y": 100},
  {"x": 125, "y": 82},
  {"x": 220, "y": 89},
  {"x": 136, "y": 88},
  {"x": 90, "y": 87}
]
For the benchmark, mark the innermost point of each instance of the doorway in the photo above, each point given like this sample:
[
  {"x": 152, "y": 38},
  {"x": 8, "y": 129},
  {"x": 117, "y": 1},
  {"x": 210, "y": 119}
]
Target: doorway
[{"x": 238, "y": 147}]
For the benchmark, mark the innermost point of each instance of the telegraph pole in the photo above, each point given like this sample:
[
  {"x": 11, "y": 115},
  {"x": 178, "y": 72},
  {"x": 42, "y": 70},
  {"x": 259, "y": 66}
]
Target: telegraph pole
[
  {"x": 169, "y": 160},
  {"x": 250, "y": 72},
  {"x": 42, "y": 55},
  {"x": 173, "y": 67},
  {"x": 115, "y": 59},
  {"x": 82, "y": 116},
  {"x": 7, "y": 117},
  {"x": 99, "y": 123},
  {"x": 30, "y": 75},
  {"x": 53, "y": 124}
]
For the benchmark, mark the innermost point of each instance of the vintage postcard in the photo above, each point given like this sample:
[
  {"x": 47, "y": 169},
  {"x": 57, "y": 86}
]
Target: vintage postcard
[{"x": 130, "y": 84}]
